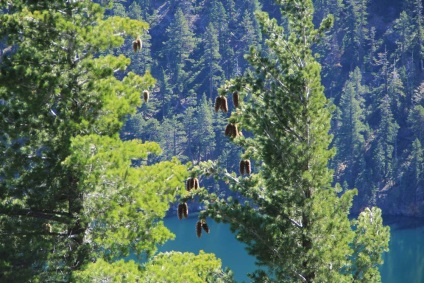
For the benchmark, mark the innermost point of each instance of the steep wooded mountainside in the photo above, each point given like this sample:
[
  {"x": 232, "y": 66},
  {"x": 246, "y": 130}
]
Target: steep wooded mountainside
[{"x": 372, "y": 69}]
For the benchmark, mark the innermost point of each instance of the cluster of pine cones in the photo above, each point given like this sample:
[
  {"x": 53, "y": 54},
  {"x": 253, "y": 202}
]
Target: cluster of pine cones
[
  {"x": 201, "y": 224},
  {"x": 221, "y": 102},
  {"x": 182, "y": 210},
  {"x": 245, "y": 167},
  {"x": 231, "y": 130},
  {"x": 192, "y": 183}
]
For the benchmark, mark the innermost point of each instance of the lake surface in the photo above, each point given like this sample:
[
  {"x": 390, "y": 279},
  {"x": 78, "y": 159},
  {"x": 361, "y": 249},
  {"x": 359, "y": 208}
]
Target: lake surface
[
  {"x": 403, "y": 264},
  {"x": 405, "y": 261},
  {"x": 220, "y": 241}
]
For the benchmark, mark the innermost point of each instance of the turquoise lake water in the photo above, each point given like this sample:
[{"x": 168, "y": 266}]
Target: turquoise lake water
[
  {"x": 403, "y": 264},
  {"x": 405, "y": 261}
]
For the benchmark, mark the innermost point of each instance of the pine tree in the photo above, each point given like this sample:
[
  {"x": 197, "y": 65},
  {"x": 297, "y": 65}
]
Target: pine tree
[
  {"x": 412, "y": 183},
  {"x": 71, "y": 201},
  {"x": 173, "y": 137},
  {"x": 292, "y": 220},
  {"x": 212, "y": 57},
  {"x": 180, "y": 41},
  {"x": 330, "y": 45},
  {"x": 221, "y": 20},
  {"x": 351, "y": 130},
  {"x": 205, "y": 135},
  {"x": 177, "y": 50},
  {"x": 414, "y": 9},
  {"x": 386, "y": 100},
  {"x": 140, "y": 61},
  {"x": 405, "y": 34},
  {"x": 249, "y": 32},
  {"x": 416, "y": 120},
  {"x": 385, "y": 143},
  {"x": 417, "y": 156},
  {"x": 357, "y": 31}
]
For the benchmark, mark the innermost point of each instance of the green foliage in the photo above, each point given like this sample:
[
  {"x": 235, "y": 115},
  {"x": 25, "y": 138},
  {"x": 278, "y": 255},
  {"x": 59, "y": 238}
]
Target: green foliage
[
  {"x": 383, "y": 41},
  {"x": 292, "y": 220},
  {"x": 103, "y": 271},
  {"x": 185, "y": 267},
  {"x": 351, "y": 129},
  {"x": 416, "y": 120},
  {"x": 69, "y": 95},
  {"x": 179, "y": 45},
  {"x": 74, "y": 197},
  {"x": 371, "y": 240},
  {"x": 164, "y": 267},
  {"x": 417, "y": 158},
  {"x": 173, "y": 137}
]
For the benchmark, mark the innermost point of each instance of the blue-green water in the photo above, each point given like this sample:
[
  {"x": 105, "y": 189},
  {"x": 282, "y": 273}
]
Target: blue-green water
[
  {"x": 403, "y": 264},
  {"x": 220, "y": 241},
  {"x": 405, "y": 261}
]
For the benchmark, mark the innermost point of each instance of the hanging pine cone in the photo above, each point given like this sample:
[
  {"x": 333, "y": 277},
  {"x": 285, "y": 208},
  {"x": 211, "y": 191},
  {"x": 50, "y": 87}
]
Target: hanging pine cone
[
  {"x": 187, "y": 185},
  {"x": 139, "y": 44},
  {"x": 235, "y": 131},
  {"x": 192, "y": 183},
  {"x": 135, "y": 45},
  {"x": 247, "y": 167},
  {"x": 205, "y": 227},
  {"x": 224, "y": 104},
  {"x": 218, "y": 101},
  {"x": 229, "y": 130},
  {"x": 146, "y": 95},
  {"x": 180, "y": 211},
  {"x": 236, "y": 99},
  {"x": 195, "y": 183},
  {"x": 241, "y": 167},
  {"x": 185, "y": 210},
  {"x": 199, "y": 229}
]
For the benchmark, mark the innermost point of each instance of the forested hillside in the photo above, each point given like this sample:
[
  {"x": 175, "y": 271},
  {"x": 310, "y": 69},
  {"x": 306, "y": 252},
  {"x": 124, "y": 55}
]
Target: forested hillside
[
  {"x": 113, "y": 111},
  {"x": 373, "y": 71}
]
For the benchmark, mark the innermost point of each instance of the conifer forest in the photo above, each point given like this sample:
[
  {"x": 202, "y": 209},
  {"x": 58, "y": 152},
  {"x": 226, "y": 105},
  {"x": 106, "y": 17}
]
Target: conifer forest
[{"x": 297, "y": 122}]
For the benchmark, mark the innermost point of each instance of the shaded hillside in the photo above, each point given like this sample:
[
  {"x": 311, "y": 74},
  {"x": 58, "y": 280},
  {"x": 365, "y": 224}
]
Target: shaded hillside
[{"x": 372, "y": 69}]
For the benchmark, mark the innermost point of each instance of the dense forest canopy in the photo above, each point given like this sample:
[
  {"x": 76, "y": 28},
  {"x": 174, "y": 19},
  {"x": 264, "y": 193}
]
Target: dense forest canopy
[{"x": 372, "y": 71}]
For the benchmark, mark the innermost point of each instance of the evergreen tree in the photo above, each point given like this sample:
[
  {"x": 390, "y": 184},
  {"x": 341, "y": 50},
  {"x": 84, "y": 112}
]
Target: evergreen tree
[
  {"x": 214, "y": 73},
  {"x": 205, "y": 135},
  {"x": 71, "y": 202},
  {"x": 180, "y": 41},
  {"x": 387, "y": 96},
  {"x": 405, "y": 34},
  {"x": 385, "y": 143},
  {"x": 357, "y": 32},
  {"x": 416, "y": 120},
  {"x": 250, "y": 35},
  {"x": 351, "y": 130},
  {"x": 177, "y": 49},
  {"x": 292, "y": 220},
  {"x": 330, "y": 46},
  {"x": 140, "y": 61},
  {"x": 173, "y": 137},
  {"x": 414, "y": 8},
  {"x": 221, "y": 21},
  {"x": 417, "y": 168}
]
